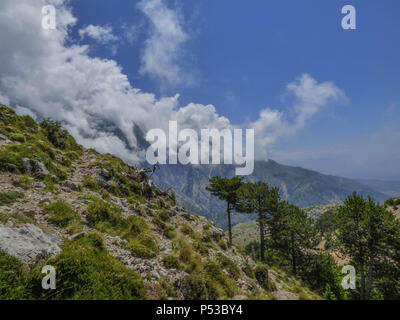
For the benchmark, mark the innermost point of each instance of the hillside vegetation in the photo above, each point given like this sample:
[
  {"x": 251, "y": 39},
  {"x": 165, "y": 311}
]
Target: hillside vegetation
[{"x": 109, "y": 233}]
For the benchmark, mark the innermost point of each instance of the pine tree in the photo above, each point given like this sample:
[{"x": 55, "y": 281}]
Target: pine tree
[
  {"x": 369, "y": 235},
  {"x": 260, "y": 199},
  {"x": 292, "y": 233},
  {"x": 226, "y": 189}
]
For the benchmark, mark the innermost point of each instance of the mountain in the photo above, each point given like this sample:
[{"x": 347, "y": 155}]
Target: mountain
[
  {"x": 390, "y": 188},
  {"x": 107, "y": 231},
  {"x": 299, "y": 186}
]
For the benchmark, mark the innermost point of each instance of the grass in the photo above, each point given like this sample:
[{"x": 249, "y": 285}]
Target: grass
[
  {"x": 10, "y": 196},
  {"x": 62, "y": 215}
]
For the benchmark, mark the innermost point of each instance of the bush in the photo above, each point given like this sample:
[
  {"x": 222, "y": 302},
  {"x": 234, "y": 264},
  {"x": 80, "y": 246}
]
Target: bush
[
  {"x": 85, "y": 270},
  {"x": 103, "y": 212},
  {"x": 193, "y": 287},
  {"x": 17, "y": 137},
  {"x": 137, "y": 226},
  {"x": 261, "y": 274},
  {"x": 229, "y": 266},
  {"x": 186, "y": 229},
  {"x": 59, "y": 137},
  {"x": 171, "y": 262},
  {"x": 90, "y": 183},
  {"x": 144, "y": 246},
  {"x": 10, "y": 196},
  {"x": 61, "y": 214},
  {"x": 220, "y": 283},
  {"x": 12, "y": 279}
]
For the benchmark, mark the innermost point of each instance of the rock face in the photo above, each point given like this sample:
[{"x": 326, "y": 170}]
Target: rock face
[{"x": 28, "y": 242}]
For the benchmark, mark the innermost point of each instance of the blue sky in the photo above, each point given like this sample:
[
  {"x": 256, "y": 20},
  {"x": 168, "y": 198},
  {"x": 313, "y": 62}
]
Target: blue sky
[{"x": 240, "y": 57}]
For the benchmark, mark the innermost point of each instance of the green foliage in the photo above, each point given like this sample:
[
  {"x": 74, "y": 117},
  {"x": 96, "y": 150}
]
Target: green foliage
[
  {"x": 194, "y": 287},
  {"x": 61, "y": 214},
  {"x": 17, "y": 137},
  {"x": 90, "y": 183},
  {"x": 369, "y": 234},
  {"x": 247, "y": 269},
  {"x": 24, "y": 181},
  {"x": 186, "y": 229},
  {"x": 226, "y": 189},
  {"x": 85, "y": 270},
  {"x": 59, "y": 137},
  {"x": 292, "y": 234},
  {"x": 219, "y": 284},
  {"x": 103, "y": 215},
  {"x": 229, "y": 266},
  {"x": 144, "y": 246},
  {"x": 260, "y": 199},
  {"x": 321, "y": 273},
  {"x": 10, "y": 196},
  {"x": 171, "y": 262},
  {"x": 261, "y": 274},
  {"x": 12, "y": 278}
]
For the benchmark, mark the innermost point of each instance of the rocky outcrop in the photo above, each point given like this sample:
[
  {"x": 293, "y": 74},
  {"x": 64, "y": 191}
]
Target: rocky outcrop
[{"x": 28, "y": 243}]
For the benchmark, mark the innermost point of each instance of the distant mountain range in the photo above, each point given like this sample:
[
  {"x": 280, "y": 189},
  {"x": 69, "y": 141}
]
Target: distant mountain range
[{"x": 299, "y": 186}]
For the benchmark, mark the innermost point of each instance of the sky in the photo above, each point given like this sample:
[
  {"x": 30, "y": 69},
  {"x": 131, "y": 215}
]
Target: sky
[{"x": 318, "y": 96}]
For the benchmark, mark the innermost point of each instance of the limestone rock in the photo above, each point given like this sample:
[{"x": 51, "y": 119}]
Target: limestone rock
[{"x": 28, "y": 243}]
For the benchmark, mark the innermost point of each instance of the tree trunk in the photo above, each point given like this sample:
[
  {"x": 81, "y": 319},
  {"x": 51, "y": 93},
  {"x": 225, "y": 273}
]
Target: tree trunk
[
  {"x": 369, "y": 282},
  {"x": 229, "y": 224},
  {"x": 362, "y": 291},
  {"x": 262, "y": 240},
  {"x": 294, "y": 266}
]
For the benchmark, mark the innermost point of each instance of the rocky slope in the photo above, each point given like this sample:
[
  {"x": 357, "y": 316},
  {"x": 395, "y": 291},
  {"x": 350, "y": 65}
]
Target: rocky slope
[{"x": 107, "y": 230}]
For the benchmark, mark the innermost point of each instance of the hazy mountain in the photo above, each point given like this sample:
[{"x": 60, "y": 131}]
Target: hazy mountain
[
  {"x": 390, "y": 188},
  {"x": 299, "y": 186}
]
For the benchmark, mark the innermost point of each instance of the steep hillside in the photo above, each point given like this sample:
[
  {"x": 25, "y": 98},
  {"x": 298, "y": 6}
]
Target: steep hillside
[
  {"x": 299, "y": 186},
  {"x": 109, "y": 233}
]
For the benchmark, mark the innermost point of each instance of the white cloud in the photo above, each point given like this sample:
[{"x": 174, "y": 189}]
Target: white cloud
[
  {"x": 310, "y": 97},
  {"x": 163, "y": 49},
  {"x": 25, "y": 111},
  {"x": 102, "y": 34},
  {"x": 95, "y": 99}
]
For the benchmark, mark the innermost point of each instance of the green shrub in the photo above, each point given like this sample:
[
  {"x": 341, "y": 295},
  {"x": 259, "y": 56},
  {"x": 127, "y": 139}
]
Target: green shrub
[
  {"x": 85, "y": 270},
  {"x": 186, "y": 229},
  {"x": 90, "y": 183},
  {"x": 163, "y": 214},
  {"x": 171, "y": 262},
  {"x": 144, "y": 246},
  {"x": 103, "y": 212},
  {"x": 214, "y": 271},
  {"x": 61, "y": 214},
  {"x": 59, "y": 137},
  {"x": 170, "y": 232},
  {"x": 17, "y": 137},
  {"x": 229, "y": 266},
  {"x": 24, "y": 181},
  {"x": 137, "y": 226},
  {"x": 10, "y": 196},
  {"x": 248, "y": 271},
  {"x": 193, "y": 287},
  {"x": 261, "y": 274},
  {"x": 12, "y": 278}
]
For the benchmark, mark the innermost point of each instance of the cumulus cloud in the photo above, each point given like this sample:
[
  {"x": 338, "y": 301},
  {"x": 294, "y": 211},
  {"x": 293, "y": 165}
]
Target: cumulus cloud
[
  {"x": 102, "y": 34},
  {"x": 163, "y": 49},
  {"x": 95, "y": 100},
  {"x": 310, "y": 97}
]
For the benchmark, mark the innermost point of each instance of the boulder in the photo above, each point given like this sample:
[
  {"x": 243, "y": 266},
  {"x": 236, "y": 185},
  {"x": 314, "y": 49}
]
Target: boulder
[
  {"x": 26, "y": 164},
  {"x": 39, "y": 169},
  {"x": 27, "y": 242}
]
